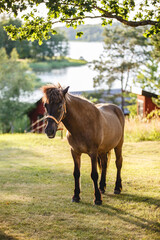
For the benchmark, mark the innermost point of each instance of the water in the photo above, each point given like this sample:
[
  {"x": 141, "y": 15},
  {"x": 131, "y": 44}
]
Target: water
[
  {"x": 88, "y": 50},
  {"x": 78, "y": 78}
]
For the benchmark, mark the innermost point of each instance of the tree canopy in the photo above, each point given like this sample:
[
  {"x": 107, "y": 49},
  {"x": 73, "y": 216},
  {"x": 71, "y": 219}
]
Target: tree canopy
[
  {"x": 22, "y": 47},
  {"x": 74, "y": 12},
  {"x": 125, "y": 49},
  {"x": 56, "y": 45},
  {"x": 149, "y": 77},
  {"x": 15, "y": 82}
]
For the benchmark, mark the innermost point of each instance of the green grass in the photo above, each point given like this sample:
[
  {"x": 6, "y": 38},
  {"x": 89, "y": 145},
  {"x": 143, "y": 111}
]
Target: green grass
[
  {"x": 40, "y": 66},
  {"x": 137, "y": 129},
  {"x": 36, "y": 186}
]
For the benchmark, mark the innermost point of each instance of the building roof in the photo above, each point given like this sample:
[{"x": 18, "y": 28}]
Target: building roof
[
  {"x": 149, "y": 94},
  {"x": 142, "y": 92}
]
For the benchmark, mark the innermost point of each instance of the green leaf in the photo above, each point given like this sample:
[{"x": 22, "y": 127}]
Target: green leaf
[{"x": 79, "y": 34}]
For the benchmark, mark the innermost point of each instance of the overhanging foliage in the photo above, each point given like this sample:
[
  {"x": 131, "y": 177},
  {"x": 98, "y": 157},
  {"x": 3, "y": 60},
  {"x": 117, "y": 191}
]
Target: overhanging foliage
[{"x": 74, "y": 12}]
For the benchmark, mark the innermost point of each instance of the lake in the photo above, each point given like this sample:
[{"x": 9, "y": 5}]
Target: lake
[{"x": 78, "y": 78}]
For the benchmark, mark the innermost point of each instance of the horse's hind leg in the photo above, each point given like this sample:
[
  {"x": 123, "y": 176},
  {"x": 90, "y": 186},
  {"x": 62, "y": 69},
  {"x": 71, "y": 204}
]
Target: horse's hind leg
[
  {"x": 119, "y": 159},
  {"x": 76, "y": 174},
  {"x": 104, "y": 160}
]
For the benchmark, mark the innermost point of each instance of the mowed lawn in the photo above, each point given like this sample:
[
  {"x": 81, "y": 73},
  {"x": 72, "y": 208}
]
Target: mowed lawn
[{"x": 36, "y": 187}]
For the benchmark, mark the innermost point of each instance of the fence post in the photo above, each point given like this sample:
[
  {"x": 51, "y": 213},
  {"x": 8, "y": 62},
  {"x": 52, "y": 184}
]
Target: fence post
[{"x": 62, "y": 134}]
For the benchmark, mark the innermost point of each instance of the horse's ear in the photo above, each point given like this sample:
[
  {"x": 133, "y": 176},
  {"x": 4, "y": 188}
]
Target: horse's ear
[{"x": 65, "y": 91}]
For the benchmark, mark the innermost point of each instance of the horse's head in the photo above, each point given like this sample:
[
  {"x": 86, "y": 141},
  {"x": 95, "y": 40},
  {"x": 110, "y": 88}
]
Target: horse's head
[{"x": 54, "y": 102}]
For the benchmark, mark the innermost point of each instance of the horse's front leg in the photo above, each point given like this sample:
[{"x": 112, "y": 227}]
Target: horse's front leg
[
  {"x": 77, "y": 162},
  {"x": 94, "y": 176}
]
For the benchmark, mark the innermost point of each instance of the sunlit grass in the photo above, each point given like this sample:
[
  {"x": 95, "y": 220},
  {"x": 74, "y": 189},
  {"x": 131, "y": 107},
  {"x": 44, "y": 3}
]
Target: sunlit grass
[
  {"x": 36, "y": 186},
  {"x": 137, "y": 129}
]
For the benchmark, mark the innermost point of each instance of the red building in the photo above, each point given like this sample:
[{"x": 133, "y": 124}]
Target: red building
[
  {"x": 145, "y": 104},
  {"x": 37, "y": 119}
]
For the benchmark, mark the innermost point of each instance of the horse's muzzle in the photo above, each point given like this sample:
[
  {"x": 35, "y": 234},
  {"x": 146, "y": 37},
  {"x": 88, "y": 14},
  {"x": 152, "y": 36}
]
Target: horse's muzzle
[{"x": 51, "y": 132}]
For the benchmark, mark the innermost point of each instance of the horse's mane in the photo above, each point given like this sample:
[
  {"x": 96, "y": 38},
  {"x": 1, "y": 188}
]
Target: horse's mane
[
  {"x": 69, "y": 97},
  {"x": 52, "y": 93}
]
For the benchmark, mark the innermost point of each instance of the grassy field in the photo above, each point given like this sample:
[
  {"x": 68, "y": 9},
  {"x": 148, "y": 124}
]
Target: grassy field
[{"x": 36, "y": 186}]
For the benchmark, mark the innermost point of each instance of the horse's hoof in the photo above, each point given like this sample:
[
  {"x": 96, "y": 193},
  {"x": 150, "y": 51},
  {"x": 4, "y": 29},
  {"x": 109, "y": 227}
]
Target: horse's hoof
[
  {"x": 117, "y": 191},
  {"x": 98, "y": 202},
  {"x": 76, "y": 199}
]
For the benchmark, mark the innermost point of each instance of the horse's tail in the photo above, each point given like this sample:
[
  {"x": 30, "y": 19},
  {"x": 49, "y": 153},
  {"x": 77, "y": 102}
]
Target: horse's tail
[
  {"x": 99, "y": 163},
  {"x": 108, "y": 157},
  {"x": 108, "y": 160}
]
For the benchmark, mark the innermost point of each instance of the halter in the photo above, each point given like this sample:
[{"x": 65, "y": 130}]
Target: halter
[{"x": 62, "y": 115}]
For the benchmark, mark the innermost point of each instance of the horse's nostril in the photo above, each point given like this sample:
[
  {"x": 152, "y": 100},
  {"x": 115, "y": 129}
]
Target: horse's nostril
[{"x": 50, "y": 132}]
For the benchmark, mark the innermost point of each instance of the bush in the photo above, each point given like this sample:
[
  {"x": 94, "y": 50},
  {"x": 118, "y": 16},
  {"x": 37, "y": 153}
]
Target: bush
[{"x": 154, "y": 114}]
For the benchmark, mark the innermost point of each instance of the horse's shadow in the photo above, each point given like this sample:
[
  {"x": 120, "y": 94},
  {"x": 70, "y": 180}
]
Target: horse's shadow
[
  {"x": 136, "y": 198},
  {"x": 4, "y": 236},
  {"x": 128, "y": 217}
]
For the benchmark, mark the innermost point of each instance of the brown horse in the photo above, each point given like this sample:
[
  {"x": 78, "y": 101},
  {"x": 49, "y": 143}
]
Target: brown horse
[{"x": 92, "y": 129}]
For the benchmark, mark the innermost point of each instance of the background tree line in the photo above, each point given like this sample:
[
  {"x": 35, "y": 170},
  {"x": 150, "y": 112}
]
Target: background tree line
[
  {"x": 16, "y": 83},
  {"x": 56, "y": 45}
]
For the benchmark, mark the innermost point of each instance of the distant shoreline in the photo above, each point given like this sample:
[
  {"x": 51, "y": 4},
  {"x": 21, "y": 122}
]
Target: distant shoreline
[{"x": 57, "y": 63}]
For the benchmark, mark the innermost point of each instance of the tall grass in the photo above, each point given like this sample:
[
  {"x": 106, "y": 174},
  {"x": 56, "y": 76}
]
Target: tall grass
[{"x": 137, "y": 129}]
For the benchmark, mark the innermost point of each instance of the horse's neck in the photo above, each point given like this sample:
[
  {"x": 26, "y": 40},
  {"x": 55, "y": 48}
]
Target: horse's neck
[
  {"x": 76, "y": 111},
  {"x": 72, "y": 106}
]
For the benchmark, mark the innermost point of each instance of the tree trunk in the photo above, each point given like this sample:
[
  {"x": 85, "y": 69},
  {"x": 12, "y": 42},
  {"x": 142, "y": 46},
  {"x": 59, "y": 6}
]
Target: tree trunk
[{"x": 122, "y": 91}]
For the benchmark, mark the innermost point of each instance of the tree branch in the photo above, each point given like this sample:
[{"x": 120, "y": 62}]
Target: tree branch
[
  {"x": 107, "y": 14},
  {"x": 67, "y": 20}
]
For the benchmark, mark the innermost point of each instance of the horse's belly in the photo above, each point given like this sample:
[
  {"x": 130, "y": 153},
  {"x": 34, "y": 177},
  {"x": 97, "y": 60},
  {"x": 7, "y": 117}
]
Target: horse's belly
[
  {"x": 111, "y": 137},
  {"x": 106, "y": 145}
]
